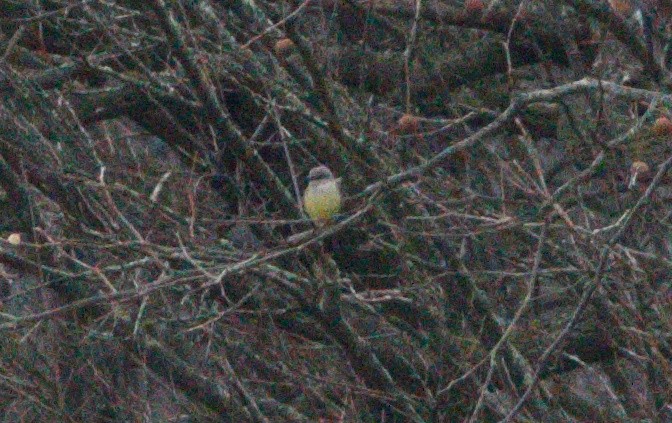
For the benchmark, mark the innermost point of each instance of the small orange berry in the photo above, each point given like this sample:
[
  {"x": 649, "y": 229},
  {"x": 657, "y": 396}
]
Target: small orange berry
[
  {"x": 638, "y": 171},
  {"x": 14, "y": 239},
  {"x": 408, "y": 123},
  {"x": 623, "y": 7},
  {"x": 640, "y": 167},
  {"x": 283, "y": 46},
  {"x": 474, "y": 6},
  {"x": 662, "y": 126}
]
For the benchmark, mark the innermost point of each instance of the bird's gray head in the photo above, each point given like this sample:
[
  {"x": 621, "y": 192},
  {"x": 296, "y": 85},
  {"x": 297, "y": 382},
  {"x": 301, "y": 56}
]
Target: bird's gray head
[{"x": 320, "y": 173}]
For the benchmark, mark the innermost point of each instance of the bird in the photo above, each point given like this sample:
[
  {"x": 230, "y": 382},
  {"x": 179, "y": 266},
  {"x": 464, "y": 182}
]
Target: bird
[{"x": 322, "y": 197}]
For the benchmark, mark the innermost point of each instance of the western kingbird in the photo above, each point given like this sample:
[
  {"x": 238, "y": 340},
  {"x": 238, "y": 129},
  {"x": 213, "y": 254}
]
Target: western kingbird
[{"x": 322, "y": 198}]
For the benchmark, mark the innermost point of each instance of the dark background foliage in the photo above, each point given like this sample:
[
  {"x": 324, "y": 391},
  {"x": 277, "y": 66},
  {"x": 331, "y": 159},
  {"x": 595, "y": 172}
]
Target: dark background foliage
[{"x": 503, "y": 253}]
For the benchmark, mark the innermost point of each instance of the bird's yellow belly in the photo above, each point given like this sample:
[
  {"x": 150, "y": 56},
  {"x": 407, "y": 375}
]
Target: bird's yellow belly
[{"x": 323, "y": 202}]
